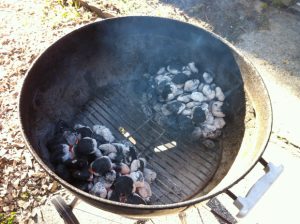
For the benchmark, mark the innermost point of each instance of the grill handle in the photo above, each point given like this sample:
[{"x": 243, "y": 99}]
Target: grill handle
[{"x": 245, "y": 204}]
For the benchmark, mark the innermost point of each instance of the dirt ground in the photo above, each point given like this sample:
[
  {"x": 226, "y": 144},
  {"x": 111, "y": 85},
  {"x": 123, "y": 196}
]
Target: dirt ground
[{"x": 267, "y": 35}]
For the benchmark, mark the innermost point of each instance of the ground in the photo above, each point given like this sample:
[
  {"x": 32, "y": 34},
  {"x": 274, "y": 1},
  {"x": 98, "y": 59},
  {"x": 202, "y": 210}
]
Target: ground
[{"x": 267, "y": 35}]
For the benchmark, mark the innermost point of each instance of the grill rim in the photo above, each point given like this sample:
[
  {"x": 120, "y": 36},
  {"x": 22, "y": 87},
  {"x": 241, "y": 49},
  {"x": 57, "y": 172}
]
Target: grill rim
[{"x": 22, "y": 109}]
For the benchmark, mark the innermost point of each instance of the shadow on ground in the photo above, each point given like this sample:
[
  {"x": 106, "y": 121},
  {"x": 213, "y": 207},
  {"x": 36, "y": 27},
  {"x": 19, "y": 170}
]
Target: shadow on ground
[{"x": 229, "y": 18}]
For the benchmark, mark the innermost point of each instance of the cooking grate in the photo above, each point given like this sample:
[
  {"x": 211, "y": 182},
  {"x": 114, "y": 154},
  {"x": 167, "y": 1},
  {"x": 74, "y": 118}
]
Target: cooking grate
[{"x": 183, "y": 168}]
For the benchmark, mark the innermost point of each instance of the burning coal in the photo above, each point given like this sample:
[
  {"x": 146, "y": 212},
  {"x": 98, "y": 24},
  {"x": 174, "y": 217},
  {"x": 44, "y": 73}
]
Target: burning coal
[{"x": 94, "y": 161}]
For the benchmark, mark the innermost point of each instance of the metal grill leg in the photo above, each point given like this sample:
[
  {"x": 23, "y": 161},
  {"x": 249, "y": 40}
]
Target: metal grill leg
[
  {"x": 64, "y": 210},
  {"x": 182, "y": 217}
]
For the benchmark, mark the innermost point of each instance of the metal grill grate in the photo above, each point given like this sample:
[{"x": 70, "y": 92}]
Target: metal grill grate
[{"x": 183, "y": 168}]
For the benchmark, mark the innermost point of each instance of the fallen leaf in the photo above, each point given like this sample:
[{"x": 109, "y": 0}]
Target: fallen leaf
[
  {"x": 5, "y": 209},
  {"x": 3, "y": 152},
  {"x": 20, "y": 203},
  {"x": 16, "y": 183},
  {"x": 54, "y": 187},
  {"x": 28, "y": 158}
]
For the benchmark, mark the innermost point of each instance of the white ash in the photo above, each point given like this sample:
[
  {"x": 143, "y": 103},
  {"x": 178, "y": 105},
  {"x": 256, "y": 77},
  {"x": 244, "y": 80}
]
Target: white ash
[
  {"x": 165, "y": 111},
  {"x": 210, "y": 119},
  {"x": 191, "y": 85},
  {"x": 99, "y": 190},
  {"x": 161, "y": 78},
  {"x": 185, "y": 98},
  {"x": 104, "y": 132},
  {"x": 216, "y": 109},
  {"x": 149, "y": 175},
  {"x": 107, "y": 148},
  {"x": 193, "y": 67},
  {"x": 207, "y": 77},
  {"x": 197, "y": 133},
  {"x": 208, "y": 92},
  {"x": 193, "y": 104},
  {"x": 209, "y": 143},
  {"x": 200, "y": 87},
  {"x": 187, "y": 72},
  {"x": 219, "y": 122},
  {"x": 198, "y": 97},
  {"x": 219, "y": 94},
  {"x": 183, "y": 88},
  {"x": 187, "y": 112},
  {"x": 172, "y": 70},
  {"x": 161, "y": 71},
  {"x": 145, "y": 191}
]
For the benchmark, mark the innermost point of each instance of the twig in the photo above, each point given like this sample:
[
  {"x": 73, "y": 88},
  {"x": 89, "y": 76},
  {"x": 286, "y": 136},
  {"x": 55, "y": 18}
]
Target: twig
[{"x": 94, "y": 9}]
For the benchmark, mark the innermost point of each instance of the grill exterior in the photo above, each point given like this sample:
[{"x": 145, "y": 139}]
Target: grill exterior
[{"x": 64, "y": 83}]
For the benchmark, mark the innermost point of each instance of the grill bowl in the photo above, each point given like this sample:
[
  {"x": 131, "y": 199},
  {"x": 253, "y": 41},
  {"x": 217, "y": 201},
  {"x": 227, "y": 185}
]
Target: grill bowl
[{"x": 92, "y": 76}]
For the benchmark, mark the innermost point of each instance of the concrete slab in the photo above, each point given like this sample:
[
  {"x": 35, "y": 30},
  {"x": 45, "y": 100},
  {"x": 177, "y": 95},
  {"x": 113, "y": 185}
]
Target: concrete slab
[{"x": 275, "y": 54}]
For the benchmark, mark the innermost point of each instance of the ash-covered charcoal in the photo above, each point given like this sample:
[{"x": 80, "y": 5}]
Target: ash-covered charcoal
[
  {"x": 121, "y": 168},
  {"x": 208, "y": 92},
  {"x": 107, "y": 148},
  {"x": 102, "y": 167},
  {"x": 175, "y": 107},
  {"x": 198, "y": 115},
  {"x": 145, "y": 191},
  {"x": 60, "y": 154},
  {"x": 187, "y": 112},
  {"x": 138, "y": 164},
  {"x": 191, "y": 85},
  {"x": 191, "y": 105},
  {"x": 185, "y": 98},
  {"x": 87, "y": 149},
  {"x": 62, "y": 171},
  {"x": 99, "y": 190},
  {"x": 198, "y": 97},
  {"x": 123, "y": 187},
  {"x": 188, "y": 101},
  {"x": 102, "y": 134},
  {"x": 193, "y": 67},
  {"x": 219, "y": 94},
  {"x": 207, "y": 77},
  {"x": 174, "y": 69},
  {"x": 184, "y": 123},
  {"x": 216, "y": 109},
  {"x": 63, "y": 134},
  {"x": 83, "y": 131},
  {"x": 82, "y": 175},
  {"x": 134, "y": 198},
  {"x": 138, "y": 178},
  {"x": 149, "y": 175},
  {"x": 179, "y": 79}
]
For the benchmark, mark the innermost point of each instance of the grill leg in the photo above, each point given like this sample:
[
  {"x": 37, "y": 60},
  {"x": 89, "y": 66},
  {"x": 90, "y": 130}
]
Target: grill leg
[
  {"x": 182, "y": 217},
  {"x": 64, "y": 210}
]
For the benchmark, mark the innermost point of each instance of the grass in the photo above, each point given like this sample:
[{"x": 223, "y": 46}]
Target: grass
[
  {"x": 59, "y": 12},
  {"x": 264, "y": 6},
  {"x": 7, "y": 219},
  {"x": 277, "y": 3}
]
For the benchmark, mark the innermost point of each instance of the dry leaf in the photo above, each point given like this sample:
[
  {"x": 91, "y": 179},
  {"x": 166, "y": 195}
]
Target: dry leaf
[
  {"x": 6, "y": 209},
  {"x": 20, "y": 203},
  {"x": 28, "y": 160},
  {"x": 16, "y": 183},
  {"x": 53, "y": 187}
]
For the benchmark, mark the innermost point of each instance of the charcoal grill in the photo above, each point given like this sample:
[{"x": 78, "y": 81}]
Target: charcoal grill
[{"x": 93, "y": 76}]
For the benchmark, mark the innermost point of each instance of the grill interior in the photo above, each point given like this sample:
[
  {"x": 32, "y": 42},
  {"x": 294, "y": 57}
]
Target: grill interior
[
  {"x": 183, "y": 167},
  {"x": 90, "y": 77}
]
